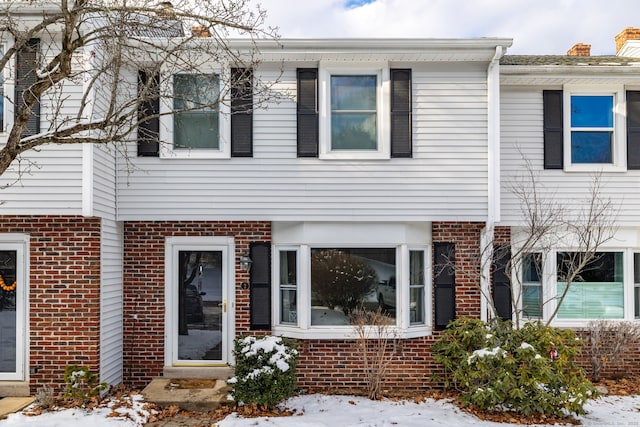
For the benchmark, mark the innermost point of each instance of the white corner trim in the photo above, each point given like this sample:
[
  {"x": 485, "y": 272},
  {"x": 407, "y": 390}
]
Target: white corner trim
[{"x": 87, "y": 179}]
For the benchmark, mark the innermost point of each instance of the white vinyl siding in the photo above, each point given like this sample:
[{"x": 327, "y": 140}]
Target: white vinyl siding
[
  {"x": 111, "y": 329},
  {"x": 445, "y": 180},
  {"x": 522, "y": 135},
  {"x": 47, "y": 181},
  {"x": 104, "y": 182}
]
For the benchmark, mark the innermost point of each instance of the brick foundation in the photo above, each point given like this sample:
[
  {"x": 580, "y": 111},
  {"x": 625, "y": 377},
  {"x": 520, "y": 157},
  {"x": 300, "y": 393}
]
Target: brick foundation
[
  {"x": 144, "y": 286},
  {"x": 64, "y": 293}
]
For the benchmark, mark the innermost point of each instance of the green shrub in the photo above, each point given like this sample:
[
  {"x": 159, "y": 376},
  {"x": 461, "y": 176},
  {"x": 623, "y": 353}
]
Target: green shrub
[
  {"x": 529, "y": 370},
  {"x": 81, "y": 383},
  {"x": 265, "y": 371}
]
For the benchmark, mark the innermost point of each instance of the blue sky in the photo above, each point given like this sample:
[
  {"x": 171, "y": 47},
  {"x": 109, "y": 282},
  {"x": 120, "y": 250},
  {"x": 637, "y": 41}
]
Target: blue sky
[{"x": 537, "y": 26}]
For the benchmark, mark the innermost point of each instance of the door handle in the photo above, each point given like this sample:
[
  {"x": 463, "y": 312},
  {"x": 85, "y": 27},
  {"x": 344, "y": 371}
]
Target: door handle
[{"x": 223, "y": 305}]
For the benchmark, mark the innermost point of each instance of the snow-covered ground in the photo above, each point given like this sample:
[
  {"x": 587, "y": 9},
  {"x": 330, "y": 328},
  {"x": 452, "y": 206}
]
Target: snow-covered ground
[
  {"x": 195, "y": 345},
  {"x": 344, "y": 411}
]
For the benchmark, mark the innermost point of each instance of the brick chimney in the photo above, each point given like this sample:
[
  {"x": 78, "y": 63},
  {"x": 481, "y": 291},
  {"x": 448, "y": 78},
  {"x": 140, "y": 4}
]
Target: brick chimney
[
  {"x": 629, "y": 33},
  {"x": 580, "y": 49},
  {"x": 200, "y": 31}
]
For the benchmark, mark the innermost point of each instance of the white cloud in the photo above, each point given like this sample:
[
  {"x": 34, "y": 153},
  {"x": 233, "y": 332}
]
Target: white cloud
[{"x": 537, "y": 27}]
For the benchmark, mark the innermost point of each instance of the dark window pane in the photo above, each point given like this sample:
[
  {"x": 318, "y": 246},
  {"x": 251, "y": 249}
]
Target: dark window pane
[
  {"x": 196, "y": 122},
  {"x": 592, "y": 111},
  {"x": 345, "y": 281},
  {"x": 591, "y": 147},
  {"x": 353, "y": 131},
  {"x": 353, "y": 93},
  {"x": 605, "y": 267},
  {"x": 531, "y": 268}
]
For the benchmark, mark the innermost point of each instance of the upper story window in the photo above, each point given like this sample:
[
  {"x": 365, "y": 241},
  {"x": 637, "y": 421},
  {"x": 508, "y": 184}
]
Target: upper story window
[
  {"x": 592, "y": 129},
  {"x": 584, "y": 129},
  {"x": 346, "y": 111},
  {"x": 200, "y": 125},
  {"x": 196, "y": 123},
  {"x": 354, "y": 113}
]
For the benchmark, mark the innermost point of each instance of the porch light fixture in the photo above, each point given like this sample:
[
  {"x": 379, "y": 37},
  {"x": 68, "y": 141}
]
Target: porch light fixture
[{"x": 245, "y": 262}]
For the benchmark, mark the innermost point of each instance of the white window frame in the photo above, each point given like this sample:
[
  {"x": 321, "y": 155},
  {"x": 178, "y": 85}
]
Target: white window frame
[
  {"x": 383, "y": 114},
  {"x": 167, "y": 150},
  {"x": 619, "y": 148},
  {"x": 636, "y": 284},
  {"x": 19, "y": 243},
  {"x": 402, "y": 328}
]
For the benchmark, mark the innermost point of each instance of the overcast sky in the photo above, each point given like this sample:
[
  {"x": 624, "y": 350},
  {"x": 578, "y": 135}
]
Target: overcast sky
[{"x": 536, "y": 26}]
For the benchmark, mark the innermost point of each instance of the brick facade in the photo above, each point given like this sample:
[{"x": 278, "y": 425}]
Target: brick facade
[
  {"x": 144, "y": 286},
  {"x": 64, "y": 293}
]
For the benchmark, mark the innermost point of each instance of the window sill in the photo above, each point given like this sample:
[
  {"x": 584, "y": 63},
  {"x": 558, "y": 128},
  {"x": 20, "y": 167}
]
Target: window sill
[
  {"x": 170, "y": 154},
  {"x": 348, "y": 333},
  {"x": 595, "y": 167}
]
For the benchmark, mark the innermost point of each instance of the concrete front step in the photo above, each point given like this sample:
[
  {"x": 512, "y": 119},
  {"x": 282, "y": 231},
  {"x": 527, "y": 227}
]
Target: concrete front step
[
  {"x": 189, "y": 394},
  {"x": 9, "y": 405}
]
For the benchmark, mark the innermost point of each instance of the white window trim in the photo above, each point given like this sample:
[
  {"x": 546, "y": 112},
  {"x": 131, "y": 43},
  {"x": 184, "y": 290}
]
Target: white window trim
[
  {"x": 20, "y": 243},
  {"x": 619, "y": 155},
  {"x": 304, "y": 329},
  {"x": 381, "y": 70},
  {"x": 224, "y": 116},
  {"x": 8, "y": 75}
]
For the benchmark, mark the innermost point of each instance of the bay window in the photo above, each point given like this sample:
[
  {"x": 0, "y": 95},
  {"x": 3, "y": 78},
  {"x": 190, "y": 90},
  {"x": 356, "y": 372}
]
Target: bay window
[
  {"x": 329, "y": 276},
  {"x": 532, "y": 285},
  {"x": 607, "y": 287}
]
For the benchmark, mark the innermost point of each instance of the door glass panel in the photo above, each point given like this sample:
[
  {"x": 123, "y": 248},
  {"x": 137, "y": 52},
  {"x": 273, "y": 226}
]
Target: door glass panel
[
  {"x": 200, "y": 305},
  {"x": 8, "y": 316}
]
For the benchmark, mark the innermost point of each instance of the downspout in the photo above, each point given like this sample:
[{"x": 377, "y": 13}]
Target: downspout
[{"x": 493, "y": 179}]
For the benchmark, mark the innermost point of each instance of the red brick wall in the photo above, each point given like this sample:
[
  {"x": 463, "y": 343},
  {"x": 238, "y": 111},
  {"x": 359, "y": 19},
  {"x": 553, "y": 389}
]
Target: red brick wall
[
  {"x": 337, "y": 364},
  {"x": 64, "y": 293},
  {"x": 144, "y": 269}
]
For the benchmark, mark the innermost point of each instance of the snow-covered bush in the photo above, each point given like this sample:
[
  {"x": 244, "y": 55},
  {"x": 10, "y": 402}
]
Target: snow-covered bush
[
  {"x": 529, "y": 370},
  {"x": 265, "y": 371},
  {"x": 82, "y": 384}
]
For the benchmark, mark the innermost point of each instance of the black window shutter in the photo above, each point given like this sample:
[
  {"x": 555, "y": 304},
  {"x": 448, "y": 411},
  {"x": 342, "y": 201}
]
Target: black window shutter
[
  {"x": 241, "y": 112},
  {"x": 26, "y": 65},
  {"x": 444, "y": 283},
  {"x": 633, "y": 129},
  {"x": 401, "y": 113},
  {"x": 501, "y": 283},
  {"x": 260, "y": 288},
  {"x": 307, "y": 112},
  {"x": 553, "y": 134},
  {"x": 148, "y": 128}
]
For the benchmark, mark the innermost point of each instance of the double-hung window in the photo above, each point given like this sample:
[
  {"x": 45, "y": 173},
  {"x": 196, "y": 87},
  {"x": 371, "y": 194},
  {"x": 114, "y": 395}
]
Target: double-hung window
[
  {"x": 532, "y": 285},
  {"x": 354, "y": 116},
  {"x": 594, "y": 134},
  {"x": 199, "y": 126}
]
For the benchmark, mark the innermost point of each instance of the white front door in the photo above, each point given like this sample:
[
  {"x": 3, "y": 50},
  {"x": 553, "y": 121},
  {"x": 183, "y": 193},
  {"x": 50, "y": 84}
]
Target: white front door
[
  {"x": 13, "y": 324},
  {"x": 199, "y": 301}
]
